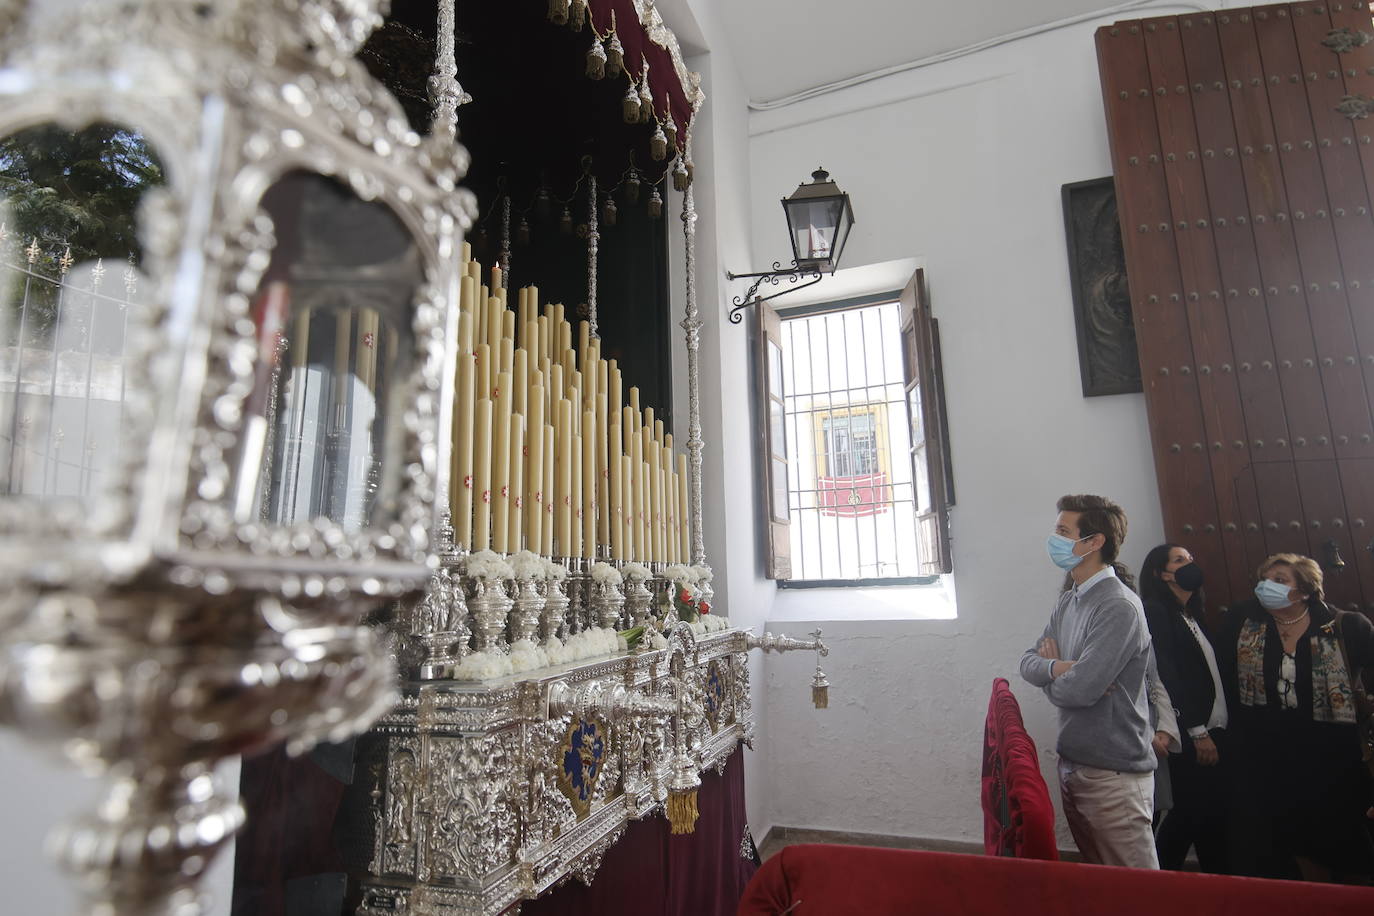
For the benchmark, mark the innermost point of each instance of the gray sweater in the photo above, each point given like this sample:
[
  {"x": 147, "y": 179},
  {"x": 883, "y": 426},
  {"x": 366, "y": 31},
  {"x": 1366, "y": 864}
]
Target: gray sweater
[{"x": 1102, "y": 630}]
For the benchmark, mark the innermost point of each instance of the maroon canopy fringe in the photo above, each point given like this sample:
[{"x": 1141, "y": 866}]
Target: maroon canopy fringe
[{"x": 629, "y": 41}]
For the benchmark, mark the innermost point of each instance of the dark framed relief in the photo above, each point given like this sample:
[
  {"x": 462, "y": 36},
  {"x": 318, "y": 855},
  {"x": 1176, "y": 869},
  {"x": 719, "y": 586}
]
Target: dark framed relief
[{"x": 1107, "y": 358}]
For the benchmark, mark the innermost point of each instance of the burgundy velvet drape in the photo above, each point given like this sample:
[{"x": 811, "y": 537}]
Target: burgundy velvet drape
[
  {"x": 650, "y": 872},
  {"x": 669, "y": 93}
]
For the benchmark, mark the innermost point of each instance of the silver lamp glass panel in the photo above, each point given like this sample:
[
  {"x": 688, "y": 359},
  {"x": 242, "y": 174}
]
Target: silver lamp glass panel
[{"x": 323, "y": 436}]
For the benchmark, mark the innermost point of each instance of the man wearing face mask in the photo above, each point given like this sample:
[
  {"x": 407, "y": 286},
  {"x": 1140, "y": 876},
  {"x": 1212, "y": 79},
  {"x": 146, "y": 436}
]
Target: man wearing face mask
[{"x": 1092, "y": 662}]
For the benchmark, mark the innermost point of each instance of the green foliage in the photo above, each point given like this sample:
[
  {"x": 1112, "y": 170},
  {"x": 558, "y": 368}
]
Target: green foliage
[{"x": 76, "y": 191}]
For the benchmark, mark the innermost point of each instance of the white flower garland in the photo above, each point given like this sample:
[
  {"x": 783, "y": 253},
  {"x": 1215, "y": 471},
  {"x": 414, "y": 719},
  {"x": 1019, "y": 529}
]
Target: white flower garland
[
  {"x": 635, "y": 572},
  {"x": 528, "y": 565},
  {"x": 489, "y": 567},
  {"x": 527, "y": 655},
  {"x": 554, "y": 570},
  {"x": 605, "y": 574}
]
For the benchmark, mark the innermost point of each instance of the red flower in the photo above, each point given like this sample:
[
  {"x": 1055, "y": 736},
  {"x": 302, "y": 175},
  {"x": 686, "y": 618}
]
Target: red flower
[
  {"x": 683, "y": 596},
  {"x": 704, "y": 607},
  {"x": 486, "y": 496}
]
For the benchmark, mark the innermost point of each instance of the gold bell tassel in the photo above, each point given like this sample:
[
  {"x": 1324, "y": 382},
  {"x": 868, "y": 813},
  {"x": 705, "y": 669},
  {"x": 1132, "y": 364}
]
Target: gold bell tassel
[
  {"x": 682, "y": 796},
  {"x": 820, "y": 690},
  {"x": 558, "y": 12},
  {"x": 682, "y": 811}
]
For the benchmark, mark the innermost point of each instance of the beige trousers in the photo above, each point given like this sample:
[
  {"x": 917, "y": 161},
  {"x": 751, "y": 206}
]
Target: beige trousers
[{"x": 1109, "y": 814}]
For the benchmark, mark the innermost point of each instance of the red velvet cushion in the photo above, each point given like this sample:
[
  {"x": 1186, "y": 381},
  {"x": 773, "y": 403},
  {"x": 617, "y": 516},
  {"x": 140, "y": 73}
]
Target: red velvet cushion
[
  {"x": 836, "y": 880},
  {"x": 1011, "y": 769}
]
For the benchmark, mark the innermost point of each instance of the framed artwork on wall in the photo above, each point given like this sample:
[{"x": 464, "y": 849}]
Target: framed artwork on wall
[{"x": 1107, "y": 359}]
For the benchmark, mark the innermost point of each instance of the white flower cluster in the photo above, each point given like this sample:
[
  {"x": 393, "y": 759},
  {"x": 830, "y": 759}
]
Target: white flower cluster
[
  {"x": 703, "y": 573},
  {"x": 528, "y": 565},
  {"x": 656, "y": 640},
  {"x": 679, "y": 574},
  {"x": 605, "y": 574},
  {"x": 483, "y": 666},
  {"x": 489, "y": 567},
  {"x": 709, "y": 623},
  {"x": 587, "y": 644},
  {"x": 554, "y": 570},
  {"x": 635, "y": 572},
  {"x": 527, "y": 655}
]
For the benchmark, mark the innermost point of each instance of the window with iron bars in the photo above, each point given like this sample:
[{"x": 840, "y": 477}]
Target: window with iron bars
[{"x": 850, "y": 490}]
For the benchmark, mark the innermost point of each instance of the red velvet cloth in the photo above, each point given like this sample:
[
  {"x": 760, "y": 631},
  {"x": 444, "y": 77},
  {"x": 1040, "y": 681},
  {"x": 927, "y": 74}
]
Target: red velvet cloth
[
  {"x": 1018, "y": 816},
  {"x": 651, "y": 872},
  {"x": 825, "y": 880},
  {"x": 668, "y": 90}
]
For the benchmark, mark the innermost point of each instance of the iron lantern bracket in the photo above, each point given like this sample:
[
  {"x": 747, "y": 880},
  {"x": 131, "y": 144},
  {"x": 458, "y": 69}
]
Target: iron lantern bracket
[{"x": 795, "y": 275}]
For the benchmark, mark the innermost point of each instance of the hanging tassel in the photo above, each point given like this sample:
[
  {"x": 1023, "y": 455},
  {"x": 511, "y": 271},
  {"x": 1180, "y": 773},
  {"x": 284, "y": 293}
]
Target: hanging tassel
[
  {"x": 632, "y": 187},
  {"x": 820, "y": 690},
  {"x": 522, "y": 232},
  {"x": 646, "y": 98},
  {"x": 658, "y": 144},
  {"x": 670, "y": 131},
  {"x": 680, "y": 176},
  {"x": 558, "y": 12},
  {"x": 541, "y": 203},
  {"x": 565, "y": 224},
  {"x": 596, "y": 61},
  {"x": 608, "y": 212},
  {"x": 615, "y": 55},
  {"x": 655, "y": 204},
  {"x": 630, "y": 105},
  {"x": 577, "y": 15},
  {"x": 682, "y": 811}
]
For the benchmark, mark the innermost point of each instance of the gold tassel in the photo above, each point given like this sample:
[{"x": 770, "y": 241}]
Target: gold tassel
[
  {"x": 655, "y": 204},
  {"x": 680, "y": 176},
  {"x": 820, "y": 696},
  {"x": 682, "y": 811},
  {"x": 558, "y": 12},
  {"x": 608, "y": 212},
  {"x": 670, "y": 132},
  {"x": 658, "y": 144},
  {"x": 630, "y": 105},
  {"x": 646, "y": 99},
  {"x": 596, "y": 61},
  {"x": 615, "y": 55},
  {"x": 577, "y": 15}
]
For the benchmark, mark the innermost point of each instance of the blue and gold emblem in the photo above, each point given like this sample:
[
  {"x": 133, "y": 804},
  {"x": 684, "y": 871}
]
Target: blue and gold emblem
[{"x": 584, "y": 751}]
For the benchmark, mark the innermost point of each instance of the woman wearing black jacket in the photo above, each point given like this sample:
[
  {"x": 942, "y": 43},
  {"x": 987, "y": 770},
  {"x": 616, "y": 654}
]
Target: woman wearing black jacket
[
  {"x": 1301, "y": 789},
  {"x": 1170, "y": 589}
]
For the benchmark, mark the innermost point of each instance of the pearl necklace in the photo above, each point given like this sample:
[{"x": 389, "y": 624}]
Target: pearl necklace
[{"x": 1289, "y": 623}]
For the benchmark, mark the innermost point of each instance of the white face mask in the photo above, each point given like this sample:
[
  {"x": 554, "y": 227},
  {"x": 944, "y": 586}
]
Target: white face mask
[{"x": 1272, "y": 595}]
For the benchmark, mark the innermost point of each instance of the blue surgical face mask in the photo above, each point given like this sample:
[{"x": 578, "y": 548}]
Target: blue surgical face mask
[
  {"x": 1273, "y": 595},
  {"x": 1061, "y": 550}
]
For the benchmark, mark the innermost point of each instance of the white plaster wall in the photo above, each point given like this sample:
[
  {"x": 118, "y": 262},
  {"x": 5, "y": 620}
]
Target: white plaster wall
[
  {"x": 961, "y": 165},
  {"x": 38, "y": 790}
]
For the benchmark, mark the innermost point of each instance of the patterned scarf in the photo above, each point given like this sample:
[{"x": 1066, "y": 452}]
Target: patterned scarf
[{"x": 1332, "y": 700}]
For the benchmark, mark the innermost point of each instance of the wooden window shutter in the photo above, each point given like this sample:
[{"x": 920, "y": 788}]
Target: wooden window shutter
[
  {"x": 777, "y": 540},
  {"x": 931, "y": 483}
]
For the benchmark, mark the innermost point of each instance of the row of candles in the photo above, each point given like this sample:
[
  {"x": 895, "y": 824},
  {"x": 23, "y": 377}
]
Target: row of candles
[{"x": 550, "y": 454}]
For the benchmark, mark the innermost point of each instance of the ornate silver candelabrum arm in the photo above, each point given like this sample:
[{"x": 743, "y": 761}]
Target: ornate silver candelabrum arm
[
  {"x": 608, "y": 702},
  {"x": 820, "y": 684}
]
